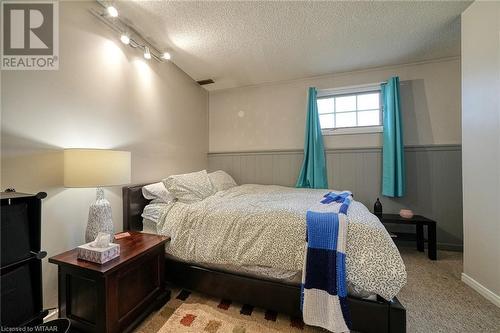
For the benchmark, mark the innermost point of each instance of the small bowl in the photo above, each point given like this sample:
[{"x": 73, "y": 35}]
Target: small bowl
[{"x": 406, "y": 213}]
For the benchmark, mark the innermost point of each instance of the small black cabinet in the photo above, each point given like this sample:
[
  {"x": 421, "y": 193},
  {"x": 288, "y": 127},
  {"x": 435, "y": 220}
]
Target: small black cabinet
[{"x": 21, "y": 265}]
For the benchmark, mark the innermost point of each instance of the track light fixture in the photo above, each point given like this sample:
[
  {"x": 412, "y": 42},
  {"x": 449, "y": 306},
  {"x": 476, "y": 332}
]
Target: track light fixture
[
  {"x": 125, "y": 39},
  {"x": 108, "y": 14},
  {"x": 112, "y": 11},
  {"x": 147, "y": 53}
]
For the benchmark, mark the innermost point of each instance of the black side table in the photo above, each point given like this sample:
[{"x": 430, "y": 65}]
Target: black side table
[{"x": 419, "y": 221}]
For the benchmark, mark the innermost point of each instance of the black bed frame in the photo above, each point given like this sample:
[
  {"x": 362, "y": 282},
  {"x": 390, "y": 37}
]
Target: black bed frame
[{"x": 367, "y": 315}]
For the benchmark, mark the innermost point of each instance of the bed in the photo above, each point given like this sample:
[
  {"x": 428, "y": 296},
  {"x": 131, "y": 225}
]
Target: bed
[{"x": 375, "y": 314}]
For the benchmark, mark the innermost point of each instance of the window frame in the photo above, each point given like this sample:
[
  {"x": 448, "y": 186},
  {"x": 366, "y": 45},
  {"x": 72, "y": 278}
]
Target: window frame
[{"x": 350, "y": 91}]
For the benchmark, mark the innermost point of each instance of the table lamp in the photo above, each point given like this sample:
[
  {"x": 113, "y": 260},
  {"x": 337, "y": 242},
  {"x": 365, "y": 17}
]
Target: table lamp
[{"x": 97, "y": 168}]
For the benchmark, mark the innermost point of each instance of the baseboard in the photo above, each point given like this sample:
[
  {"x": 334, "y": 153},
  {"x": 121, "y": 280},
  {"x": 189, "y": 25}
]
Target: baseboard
[
  {"x": 440, "y": 246},
  {"x": 485, "y": 292},
  {"x": 53, "y": 314},
  {"x": 450, "y": 247}
]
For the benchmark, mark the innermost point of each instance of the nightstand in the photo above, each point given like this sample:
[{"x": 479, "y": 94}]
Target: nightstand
[
  {"x": 117, "y": 295},
  {"x": 419, "y": 221}
]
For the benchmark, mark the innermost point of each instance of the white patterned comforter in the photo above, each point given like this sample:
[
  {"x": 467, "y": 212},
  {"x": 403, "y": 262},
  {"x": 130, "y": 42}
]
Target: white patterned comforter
[{"x": 264, "y": 225}]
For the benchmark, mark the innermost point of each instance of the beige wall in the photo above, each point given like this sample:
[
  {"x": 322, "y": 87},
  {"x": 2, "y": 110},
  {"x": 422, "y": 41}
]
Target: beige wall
[
  {"x": 274, "y": 114},
  {"x": 481, "y": 147},
  {"x": 103, "y": 96}
]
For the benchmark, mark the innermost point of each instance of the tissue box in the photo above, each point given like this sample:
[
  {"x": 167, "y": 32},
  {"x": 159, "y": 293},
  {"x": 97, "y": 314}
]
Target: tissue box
[{"x": 98, "y": 255}]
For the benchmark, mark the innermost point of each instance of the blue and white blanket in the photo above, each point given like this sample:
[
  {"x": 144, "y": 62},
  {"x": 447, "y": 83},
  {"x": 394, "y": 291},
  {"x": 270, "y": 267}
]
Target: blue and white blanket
[{"x": 324, "y": 288}]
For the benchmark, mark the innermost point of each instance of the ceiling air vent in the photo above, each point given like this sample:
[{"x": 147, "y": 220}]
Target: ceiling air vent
[{"x": 204, "y": 82}]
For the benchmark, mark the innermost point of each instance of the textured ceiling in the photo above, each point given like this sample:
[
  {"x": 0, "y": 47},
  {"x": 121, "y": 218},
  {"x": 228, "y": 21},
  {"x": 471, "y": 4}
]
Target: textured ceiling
[{"x": 245, "y": 43}]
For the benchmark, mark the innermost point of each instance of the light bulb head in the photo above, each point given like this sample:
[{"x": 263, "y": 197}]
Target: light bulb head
[
  {"x": 147, "y": 53},
  {"x": 125, "y": 39},
  {"x": 112, "y": 11},
  {"x": 166, "y": 56}
]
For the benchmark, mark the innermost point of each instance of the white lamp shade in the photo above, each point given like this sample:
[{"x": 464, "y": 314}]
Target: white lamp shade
[{"x": 96, "y": 167}]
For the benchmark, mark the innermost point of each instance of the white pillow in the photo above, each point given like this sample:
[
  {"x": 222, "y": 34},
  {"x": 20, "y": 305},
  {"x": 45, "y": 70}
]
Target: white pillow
[
  {"x": 157, "y": 192},
  {"x": 152, "y": 212},
  {"x": 221, "y": 180},
  {"x": 190, "y": 187}
]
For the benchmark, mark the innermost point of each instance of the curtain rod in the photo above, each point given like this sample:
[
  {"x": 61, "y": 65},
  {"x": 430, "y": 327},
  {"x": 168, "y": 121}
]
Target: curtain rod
[{"x": 366, "y": 85}]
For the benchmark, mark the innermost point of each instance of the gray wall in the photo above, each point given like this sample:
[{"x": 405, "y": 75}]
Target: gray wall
[{"x": 434, "y": 179}]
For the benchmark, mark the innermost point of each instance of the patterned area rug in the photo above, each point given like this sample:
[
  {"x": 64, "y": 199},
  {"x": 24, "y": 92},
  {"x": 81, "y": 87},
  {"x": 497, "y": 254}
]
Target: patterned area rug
[
  {"x": 188, "y": 312},
  {"x": 191, "y": 318}
]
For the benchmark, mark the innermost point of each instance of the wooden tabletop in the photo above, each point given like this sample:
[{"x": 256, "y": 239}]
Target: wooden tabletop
[
  {"x": 14, "y": 195},
  {"x": 130, "y": 247},
  {"x": 396, "y": 218}
]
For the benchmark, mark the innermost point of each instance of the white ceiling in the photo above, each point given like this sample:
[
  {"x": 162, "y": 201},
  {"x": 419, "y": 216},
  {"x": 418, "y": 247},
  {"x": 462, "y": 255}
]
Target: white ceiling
[{"x": 245, "y": 43}]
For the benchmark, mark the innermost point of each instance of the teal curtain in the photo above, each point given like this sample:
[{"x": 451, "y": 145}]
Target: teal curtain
[
  {"x": 313, "y": 172},
  {"x": 393, "y": 164}
]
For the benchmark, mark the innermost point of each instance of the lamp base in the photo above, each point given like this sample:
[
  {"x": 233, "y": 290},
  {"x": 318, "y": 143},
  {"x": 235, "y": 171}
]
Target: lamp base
[{"x": 100, "y": 219}]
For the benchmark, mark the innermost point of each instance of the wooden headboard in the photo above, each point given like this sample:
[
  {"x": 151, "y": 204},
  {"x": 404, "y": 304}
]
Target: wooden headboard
[{"x": 133, "y": 205}]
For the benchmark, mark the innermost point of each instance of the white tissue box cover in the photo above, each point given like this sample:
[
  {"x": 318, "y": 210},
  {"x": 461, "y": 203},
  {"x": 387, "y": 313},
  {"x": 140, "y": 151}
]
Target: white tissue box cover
[{"x": 98, "y": 255}]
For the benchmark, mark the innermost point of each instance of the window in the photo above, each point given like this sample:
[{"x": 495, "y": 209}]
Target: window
[{"x": 353, "y": 109}]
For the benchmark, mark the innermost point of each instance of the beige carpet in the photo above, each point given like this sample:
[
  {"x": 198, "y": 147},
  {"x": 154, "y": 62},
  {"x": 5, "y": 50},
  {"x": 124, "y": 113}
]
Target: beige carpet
[{"x": 435, "y": 299}]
